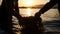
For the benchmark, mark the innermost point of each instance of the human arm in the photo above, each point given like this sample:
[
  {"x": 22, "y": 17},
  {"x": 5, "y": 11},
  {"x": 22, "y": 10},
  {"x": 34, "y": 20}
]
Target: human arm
[{"x": 46, "y": 7}]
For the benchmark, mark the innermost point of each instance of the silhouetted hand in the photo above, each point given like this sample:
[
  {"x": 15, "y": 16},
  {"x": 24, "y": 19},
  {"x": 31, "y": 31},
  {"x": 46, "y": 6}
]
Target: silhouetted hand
[
  {"x": 24, "y": 20},
  {"x": 37, "y": 15}
]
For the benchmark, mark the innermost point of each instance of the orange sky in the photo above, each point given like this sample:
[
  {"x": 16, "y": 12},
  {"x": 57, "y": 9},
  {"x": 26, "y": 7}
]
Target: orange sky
[{"x": 31, "y": 2}]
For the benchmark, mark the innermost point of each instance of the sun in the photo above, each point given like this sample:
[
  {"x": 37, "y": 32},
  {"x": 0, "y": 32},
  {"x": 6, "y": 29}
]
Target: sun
[{"x": 28, "y": 3}]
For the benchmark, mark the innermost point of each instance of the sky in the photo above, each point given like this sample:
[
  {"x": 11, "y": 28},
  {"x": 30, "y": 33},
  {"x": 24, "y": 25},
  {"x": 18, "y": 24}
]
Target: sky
[
  {"x": 0, "y": 2},
  {"x": 31, "y": 2}
]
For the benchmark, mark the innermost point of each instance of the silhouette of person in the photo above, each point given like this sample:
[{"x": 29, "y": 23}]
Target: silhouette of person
[
  {"x": 48, "y": 6},
  {"x": 31, "y": 25},
  {"x": 6, "y": 12}
]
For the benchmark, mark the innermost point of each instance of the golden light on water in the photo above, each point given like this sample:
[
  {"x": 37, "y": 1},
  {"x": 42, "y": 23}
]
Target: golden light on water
[{"x": 28, "y": 11}]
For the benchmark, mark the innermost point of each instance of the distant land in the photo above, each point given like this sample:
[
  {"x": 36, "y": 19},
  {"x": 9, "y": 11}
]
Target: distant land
[{"x": 36, "y": 6}]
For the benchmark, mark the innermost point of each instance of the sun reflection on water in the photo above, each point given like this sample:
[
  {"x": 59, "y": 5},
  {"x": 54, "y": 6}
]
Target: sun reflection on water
[{"x": 28, "y": 11}]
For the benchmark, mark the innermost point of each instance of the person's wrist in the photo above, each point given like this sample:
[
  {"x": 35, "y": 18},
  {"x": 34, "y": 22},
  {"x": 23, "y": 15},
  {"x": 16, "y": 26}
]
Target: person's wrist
[{"x": 38, "y": 14}]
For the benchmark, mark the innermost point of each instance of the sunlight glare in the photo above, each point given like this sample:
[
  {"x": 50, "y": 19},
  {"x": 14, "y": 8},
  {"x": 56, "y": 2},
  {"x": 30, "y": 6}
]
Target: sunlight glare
[
  {"x": 28, "y": 11},
  {"x": 28, "y": 2}
]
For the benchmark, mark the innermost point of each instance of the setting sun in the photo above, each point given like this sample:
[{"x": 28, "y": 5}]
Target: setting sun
[
  {"x": 22, "y": 3},
  {"x": 28, "y": 2},
  {"x": 25, "y": 3}
]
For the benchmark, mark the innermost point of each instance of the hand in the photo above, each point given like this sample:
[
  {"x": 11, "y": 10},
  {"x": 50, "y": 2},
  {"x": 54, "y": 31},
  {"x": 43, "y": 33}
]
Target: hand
[{"x": 37, "y": 15}]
